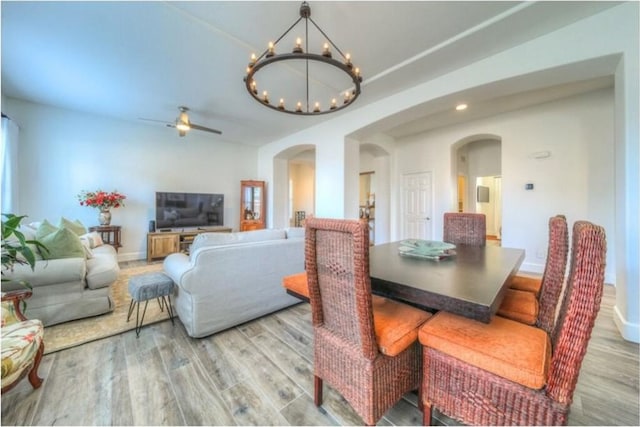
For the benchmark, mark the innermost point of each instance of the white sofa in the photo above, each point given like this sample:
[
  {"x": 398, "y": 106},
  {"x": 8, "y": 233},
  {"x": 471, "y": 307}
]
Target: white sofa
[
  {"x": 66, "y": 289},
  {"x": 231, "y": 278}
]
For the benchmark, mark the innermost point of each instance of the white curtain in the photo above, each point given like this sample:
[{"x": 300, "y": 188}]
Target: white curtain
[{"x": 9, "y": 165}]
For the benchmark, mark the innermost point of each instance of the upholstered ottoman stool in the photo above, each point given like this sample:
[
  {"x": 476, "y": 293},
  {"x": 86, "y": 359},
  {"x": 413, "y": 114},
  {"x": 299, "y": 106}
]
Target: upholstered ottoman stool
[{"x": 148, "y": 286}]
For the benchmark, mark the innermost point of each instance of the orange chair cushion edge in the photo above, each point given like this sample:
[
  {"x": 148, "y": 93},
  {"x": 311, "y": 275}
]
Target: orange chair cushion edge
[
  {"x": 297, "y": 283},
  {"x": 521, "y": 306},
  {"x": 509, "y": 349},
  {"x": 526, "y": 283},
  {"x": 396, "y": 324}
]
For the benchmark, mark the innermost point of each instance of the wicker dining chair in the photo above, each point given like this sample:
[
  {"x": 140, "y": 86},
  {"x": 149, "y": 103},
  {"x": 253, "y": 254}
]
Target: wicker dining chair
[
  {"x": 371, "y": 366},
  {"x": 535, "y": 284},
  {"x": 465, "y": 228},
  {"x": 540, "y": 309},
  {"x": 506, "y": 372}
]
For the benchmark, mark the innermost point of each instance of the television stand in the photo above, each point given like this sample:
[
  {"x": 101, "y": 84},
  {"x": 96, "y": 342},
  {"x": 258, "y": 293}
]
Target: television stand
[{"x": 166, "y": 242}]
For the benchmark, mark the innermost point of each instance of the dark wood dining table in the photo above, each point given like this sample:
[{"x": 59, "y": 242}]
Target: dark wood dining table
[{"x": 471, "y": 283}]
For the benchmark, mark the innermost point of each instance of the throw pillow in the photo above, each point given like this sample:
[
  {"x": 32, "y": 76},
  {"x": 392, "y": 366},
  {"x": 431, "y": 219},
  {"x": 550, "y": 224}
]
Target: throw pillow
[
  {"x": 76, "y": 226},
  {"x": 86, "y": 245},
  {"x": 62, "y": 243},
  {"x": 93, "y": 238},
  {"x": 29, "y": 234},
  {"x": 44, "y": 229},
  {"x": 34, "y": 225}
]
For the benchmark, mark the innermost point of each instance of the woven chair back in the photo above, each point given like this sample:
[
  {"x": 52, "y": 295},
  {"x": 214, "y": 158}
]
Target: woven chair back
[
  {"x": 554, "y": 271},
  {"x": 465, "y": 228},
  {"x": 580, "y": 305},
  {"x": 337, "y": 264}
]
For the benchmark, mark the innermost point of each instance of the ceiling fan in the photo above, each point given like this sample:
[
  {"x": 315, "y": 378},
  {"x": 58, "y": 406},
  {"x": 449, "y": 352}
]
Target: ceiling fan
[{"x": 184, "y": 125}]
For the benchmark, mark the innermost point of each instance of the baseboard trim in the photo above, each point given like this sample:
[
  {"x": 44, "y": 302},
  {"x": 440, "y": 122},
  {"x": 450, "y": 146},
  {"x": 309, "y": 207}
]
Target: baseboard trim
[
  {"x": 629, "y": 331},
  {"x": 529, "y": 267},
  {"x": 131, "y": 256}
]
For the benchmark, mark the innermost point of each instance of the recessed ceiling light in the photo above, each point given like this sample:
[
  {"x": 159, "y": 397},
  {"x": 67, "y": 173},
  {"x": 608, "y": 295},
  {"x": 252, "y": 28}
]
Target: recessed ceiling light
[{"x": 461, "y": 107}]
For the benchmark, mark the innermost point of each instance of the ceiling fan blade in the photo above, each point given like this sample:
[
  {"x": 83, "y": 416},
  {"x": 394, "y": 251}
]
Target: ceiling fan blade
[
  {"x": 153, "y": 120},
  {"x": 206, "y": 129}
]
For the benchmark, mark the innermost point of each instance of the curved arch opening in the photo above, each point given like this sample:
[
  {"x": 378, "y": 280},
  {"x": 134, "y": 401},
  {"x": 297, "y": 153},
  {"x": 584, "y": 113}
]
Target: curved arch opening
[
  {"x": 477, "y": 179},
  {"x": 293, "y": 191}
]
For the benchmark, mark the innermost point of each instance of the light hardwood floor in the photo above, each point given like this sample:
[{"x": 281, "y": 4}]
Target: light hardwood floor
[{"x": 260, "y": 373}]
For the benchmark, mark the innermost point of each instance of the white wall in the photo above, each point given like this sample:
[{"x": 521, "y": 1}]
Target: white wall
[
  {"x": 63, "y": 152},
  {"x": 577, "y": 180},
  {"x": 302, "y": 174}
]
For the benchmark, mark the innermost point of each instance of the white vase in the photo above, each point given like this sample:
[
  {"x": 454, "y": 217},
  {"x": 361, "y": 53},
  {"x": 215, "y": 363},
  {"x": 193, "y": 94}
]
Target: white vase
[{"x": 104, "y": 217}]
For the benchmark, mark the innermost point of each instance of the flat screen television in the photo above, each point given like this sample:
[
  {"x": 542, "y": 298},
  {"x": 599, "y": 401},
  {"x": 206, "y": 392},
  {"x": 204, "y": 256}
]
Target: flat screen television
[{"x": 184, "y": 210}]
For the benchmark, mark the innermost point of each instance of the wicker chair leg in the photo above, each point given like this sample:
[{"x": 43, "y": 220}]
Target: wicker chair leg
[
  {"x": 317, "y": 389},
  {"x": 426, "y": 414},
  {"x": 34, "y": 379}
]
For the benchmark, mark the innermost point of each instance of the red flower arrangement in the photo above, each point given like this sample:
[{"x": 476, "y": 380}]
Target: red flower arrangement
[{"x": 101, "y": 199}]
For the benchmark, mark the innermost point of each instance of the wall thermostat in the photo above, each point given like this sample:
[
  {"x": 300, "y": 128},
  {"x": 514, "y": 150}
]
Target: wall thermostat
[{"x": 528, "y": 186}]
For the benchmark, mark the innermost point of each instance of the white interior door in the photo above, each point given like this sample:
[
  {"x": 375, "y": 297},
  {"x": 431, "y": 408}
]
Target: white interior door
[{"x": 416, "y": 206}]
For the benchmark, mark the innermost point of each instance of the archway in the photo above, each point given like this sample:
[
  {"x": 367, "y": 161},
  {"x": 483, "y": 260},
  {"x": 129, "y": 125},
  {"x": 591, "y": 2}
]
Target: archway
[
  {"x": 293, "y": 190},
  {"x": 478, "y": 179},
  {"x": 375, "y": 200}
]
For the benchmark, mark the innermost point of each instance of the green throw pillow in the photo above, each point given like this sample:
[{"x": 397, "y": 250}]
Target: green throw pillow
[
  {"x": 62, "y": 243},
  {"x": 45, "y": 229},
  {"x": 76, "y": 226}
]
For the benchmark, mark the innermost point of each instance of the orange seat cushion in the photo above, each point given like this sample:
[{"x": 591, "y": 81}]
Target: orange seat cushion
[
  {"x": 509, "y": 349},
  {"x": 521, "y": 306},
  {"x": 526, "y": 283},
  {"x": 297, "y": 283},
  {"x": 396, "y": 324}
]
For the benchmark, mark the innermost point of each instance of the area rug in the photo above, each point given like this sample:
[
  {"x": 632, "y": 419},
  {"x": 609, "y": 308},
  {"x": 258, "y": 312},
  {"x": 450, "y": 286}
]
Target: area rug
[{"x": 70, "y": 334}]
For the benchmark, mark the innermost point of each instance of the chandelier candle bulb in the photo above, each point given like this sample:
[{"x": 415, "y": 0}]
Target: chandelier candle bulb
[
  {"x": 347, "y": 58},
  {"x": 298, "y": 46},
  {"x": 325, "y": 51},
  {"x": 254, "y": 87},
  {"x": 253, "y": 60},
  {"x": 316, "y": 108},
  {"x": 265, "y": 97},
  {"x": 271, "y": 50},
  {"x": 333, "y": 103},
  {"x": 281, "y": 104},
  {"x": 299, "y": 107}
]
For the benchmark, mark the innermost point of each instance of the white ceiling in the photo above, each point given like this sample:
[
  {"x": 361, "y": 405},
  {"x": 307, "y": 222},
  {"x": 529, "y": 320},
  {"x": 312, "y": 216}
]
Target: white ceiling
[{"x": 132, "y": 60}]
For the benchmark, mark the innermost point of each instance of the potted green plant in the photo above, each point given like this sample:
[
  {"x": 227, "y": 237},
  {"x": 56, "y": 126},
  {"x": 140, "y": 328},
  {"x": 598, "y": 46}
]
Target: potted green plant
[{"x": 16, "y": 249}]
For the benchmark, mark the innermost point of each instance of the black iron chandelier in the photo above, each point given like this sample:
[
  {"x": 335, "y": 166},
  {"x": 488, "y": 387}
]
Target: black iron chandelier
[{"x": 311, "y": 83}]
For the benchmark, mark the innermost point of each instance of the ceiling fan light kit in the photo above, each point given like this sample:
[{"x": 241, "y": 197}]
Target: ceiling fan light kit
[
  {"x": 182, "y": 122},
  {"x": 303, "y": 106}
]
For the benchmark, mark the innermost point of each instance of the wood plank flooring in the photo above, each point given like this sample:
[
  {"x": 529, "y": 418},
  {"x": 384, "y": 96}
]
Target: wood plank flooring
[{"x": 260, "y": 373}]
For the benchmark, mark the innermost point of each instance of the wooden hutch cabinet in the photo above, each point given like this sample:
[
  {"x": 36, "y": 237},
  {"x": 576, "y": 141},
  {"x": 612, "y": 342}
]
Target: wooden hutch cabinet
[{"x": 252, "y": 205}]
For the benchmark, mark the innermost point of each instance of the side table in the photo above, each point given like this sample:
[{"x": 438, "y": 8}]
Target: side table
[{"x": 110, "y": 234}]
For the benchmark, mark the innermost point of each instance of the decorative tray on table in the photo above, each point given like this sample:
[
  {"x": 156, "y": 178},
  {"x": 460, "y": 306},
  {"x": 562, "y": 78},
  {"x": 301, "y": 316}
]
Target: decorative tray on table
[{"x": 426, "y": 249}]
